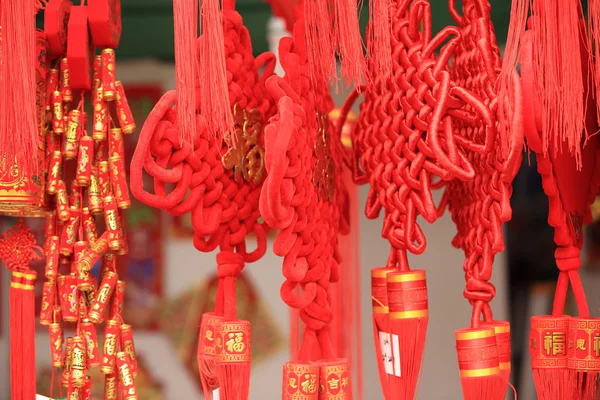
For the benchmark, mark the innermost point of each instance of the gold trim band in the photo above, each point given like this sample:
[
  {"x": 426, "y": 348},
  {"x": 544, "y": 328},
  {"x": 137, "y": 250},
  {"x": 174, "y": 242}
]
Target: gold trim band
[
  {"x": 381, "y": 272},
  {"x": 407, "y": 277},
  {"x": 501, "y": 329},
  {"x": 480, "y": 334},
  {"x": 16, "y": 285},
  {"x": 409, "y": 314},
  {"x": 505, "y": 365},
  {"x": 475, "y": 373}
]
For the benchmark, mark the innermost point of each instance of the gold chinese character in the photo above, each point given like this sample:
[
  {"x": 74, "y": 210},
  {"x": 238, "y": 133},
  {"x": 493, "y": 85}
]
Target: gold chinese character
[
  {"x": 293, "y": 383},
  {"x": 333, "y": 383},
  {"x": 580, "y": 344},
  {"x": 235, "y": 344},
  {"x": 597, "y": 344},
  {"x": 344, "y": 382},
  {"x": 126, "y": 376},
  {"x": 555, "y": 343},
  {"x": 309, "y": 385},
  {"x": 109, "y": 344},
  {"x": 533, "y": 343},
  {"x": 209, "y": 335}
]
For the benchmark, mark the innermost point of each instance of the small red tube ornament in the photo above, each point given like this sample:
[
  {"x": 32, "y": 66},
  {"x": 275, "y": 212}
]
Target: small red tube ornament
[
  {"x": 108, "y": 75},
  {"x": 101, "y": 302},
  {"x": 84, "y": 161},
  {"x": 124, "y": 113},
  {"x": 108, "y": 364}
]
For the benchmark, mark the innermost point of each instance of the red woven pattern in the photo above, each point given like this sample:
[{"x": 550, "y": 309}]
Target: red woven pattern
[
  {"x": 405, "y": 138},
  {"x": 308, "y": 221},
  {"x": 480, "y": 206},
  {"x": 224, "y": 210},
  {"x": 18, "y": 248}
]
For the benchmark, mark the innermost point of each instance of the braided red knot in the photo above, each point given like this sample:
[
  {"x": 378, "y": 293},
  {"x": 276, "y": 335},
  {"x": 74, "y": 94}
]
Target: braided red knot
[
  {"x": 480, "y": 206},
  {"x": 303, "y": 194},
  {"x": 223, "y": 202},
  {"x": 218, "y": 181},
  {"x": 406, "y": 142},
  {"x": 18, "y": 248}
]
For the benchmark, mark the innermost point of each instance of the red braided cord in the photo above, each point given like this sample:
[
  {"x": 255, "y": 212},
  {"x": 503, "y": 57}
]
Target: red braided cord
[
  {"x": 405, "y": 141},
  {"x": 479, "y": 207},
  {"x": 309, "y": 217},
  {"x": 224, "y": 209}
]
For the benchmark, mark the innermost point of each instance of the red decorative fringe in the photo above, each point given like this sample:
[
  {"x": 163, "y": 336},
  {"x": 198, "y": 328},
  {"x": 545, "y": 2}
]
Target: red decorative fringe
[
  {"x": 558, "y": 73},
  {"x": 349, "y": 41},
  {"x": 411, "y": 335},
  {"x": 492, "y": 387},
  {"x": 214, "y": 92},
  {"x": 594, "y": 41},
  {"x": 320, "y": 43},
  {"x": 18, "y": 115},
  {"x": 22, "y": 336},
  {"x": 379, "y": 43},
  {"x": 585, "y": 384},
  {"x": 185, "y": 17},
  {"x": 553, "y": 384}
]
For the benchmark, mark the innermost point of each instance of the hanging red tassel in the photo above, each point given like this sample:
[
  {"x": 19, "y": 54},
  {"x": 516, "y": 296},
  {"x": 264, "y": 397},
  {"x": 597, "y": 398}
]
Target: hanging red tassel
[
  {"x": 234, "y": 357},
  {"x": 558, "y": 73},
  {"x": 548, "y": 348},
  {"x": 349, "y": 41},
  {"x": 185, "y": 14},
  {"x": 408, "y": 318},
  {"x": 214, "y": 92},
  {"x": 594, "y": 41},
  {"x": 232, "y": 345},
  {"x": 17, "y": 249},
  {"x": 478, "y": 364},
  {"x": 18, "y": 116},
  {"x": 320, "y": 40},
  {"x": 380, "y": 32}
]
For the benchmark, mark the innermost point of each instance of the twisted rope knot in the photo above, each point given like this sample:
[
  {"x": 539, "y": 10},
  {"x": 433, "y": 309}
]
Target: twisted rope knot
[
  {"x": 567, "y": 258},
  {"x": 229, "y": 264}
]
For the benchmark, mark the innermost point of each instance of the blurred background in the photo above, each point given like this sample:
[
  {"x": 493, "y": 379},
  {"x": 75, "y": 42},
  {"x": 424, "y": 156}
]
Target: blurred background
[{"x": 170, "y": 284}]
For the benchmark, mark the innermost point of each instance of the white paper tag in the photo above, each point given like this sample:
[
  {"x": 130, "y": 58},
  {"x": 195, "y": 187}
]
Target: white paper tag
[
  {"x": 40, "y": 397},
  {"x": 216, "y": 395},
  {"x": 386, "y": 352},
  {"x": 396, "y": 352}
]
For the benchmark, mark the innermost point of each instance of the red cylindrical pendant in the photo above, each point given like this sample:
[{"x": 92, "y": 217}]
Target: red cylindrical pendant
[
  {"x": 84, "y": 161},
  {"x": 54, "y": 168},
  {"x": 65, "y": 87},
  {"x": 96, "y": 313},
  {"x": 108, "y": 363},
  {"x": 108, "y": 74},
  {"x": 118, "y": 180},
  {"x": 100, "y": 115},
  {"x": 126, "y": 120},
  {"x": 57, "y": 113}
]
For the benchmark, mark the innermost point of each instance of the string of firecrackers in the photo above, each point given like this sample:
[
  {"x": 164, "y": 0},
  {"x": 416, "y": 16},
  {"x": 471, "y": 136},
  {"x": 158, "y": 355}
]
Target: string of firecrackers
[{"x": 86, "y": 185}]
